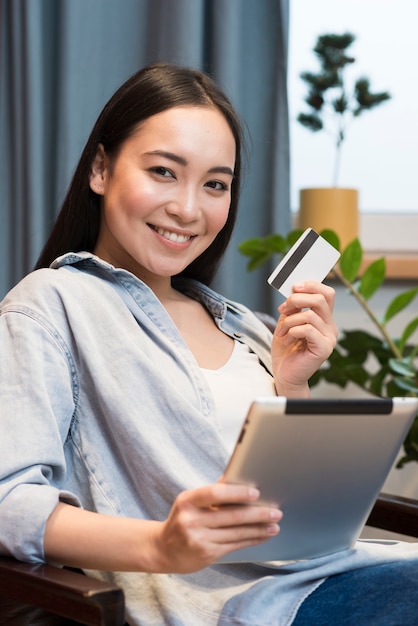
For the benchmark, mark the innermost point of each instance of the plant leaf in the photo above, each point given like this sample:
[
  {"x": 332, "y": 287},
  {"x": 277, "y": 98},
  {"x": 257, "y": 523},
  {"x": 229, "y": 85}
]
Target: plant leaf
[
  {"x": 406, "y": 384},
  {"x": 392, "y": 390},
  {"x": 315, "y": 379},
  {"x": 357, "y": 375},
  {"x": 377, "y": 381},
  {"x": 275, "y": 243},
  {"x": 372, "y": 278},
  {"x": 258, "y": 260},
  {"x": 404, "y": 367},
  {"x": 407, "y": 333},
  {"x": 410, "y": 445},
  {"x": 293, "y": 236},
  {"x": 332, "y": 238},
  {"x": 399, "y": 303},
  {"x": 336, "y": 376},
  {"x": 249, "y": 247},
  {"x": 351, "y": 259},
  {"x": 360, "y": 341}
]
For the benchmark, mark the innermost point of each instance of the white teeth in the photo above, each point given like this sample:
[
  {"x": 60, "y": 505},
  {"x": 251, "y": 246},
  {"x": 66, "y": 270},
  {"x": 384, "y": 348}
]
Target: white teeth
[{"x": 173, "y": 236}]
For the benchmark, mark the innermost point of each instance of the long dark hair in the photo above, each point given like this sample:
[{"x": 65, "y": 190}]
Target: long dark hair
[{"x": 152, "y": 90}]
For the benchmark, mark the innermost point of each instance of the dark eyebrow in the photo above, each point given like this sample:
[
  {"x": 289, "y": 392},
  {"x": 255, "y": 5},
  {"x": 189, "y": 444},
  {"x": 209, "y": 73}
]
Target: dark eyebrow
[
  {"x": 219, "y": 169},
  {"x": 168, "y": 155}
]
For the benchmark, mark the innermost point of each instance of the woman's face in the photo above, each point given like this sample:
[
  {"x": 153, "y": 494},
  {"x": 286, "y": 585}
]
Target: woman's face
[{"x": 166, "y": 195}]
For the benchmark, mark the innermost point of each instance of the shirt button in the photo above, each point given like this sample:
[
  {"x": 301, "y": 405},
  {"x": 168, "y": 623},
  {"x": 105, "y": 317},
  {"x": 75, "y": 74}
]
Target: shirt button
[{"x": 238, "y": 335}]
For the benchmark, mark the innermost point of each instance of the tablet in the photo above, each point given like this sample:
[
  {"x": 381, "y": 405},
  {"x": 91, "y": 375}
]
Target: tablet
[{"x": 323, "y": 462}]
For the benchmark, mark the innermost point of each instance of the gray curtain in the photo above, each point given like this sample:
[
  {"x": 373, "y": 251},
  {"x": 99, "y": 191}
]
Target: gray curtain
[{"x": 60, "y": 60}]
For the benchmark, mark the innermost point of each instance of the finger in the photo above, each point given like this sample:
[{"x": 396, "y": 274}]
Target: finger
[
  {"x": 308, "y": 325},
  {"x": 317, "y": 316},
  {"x": 303, "y": 300},
  {"x": 231, "y": 536},
  {"x": 318, "y": 343},
  {"x": 307, "y": 295},
  {"x": 317, "y": 319},
  {"x": 313, "y": 286},
  {"x": 233, "y": 515},
  {"x": 218, "y": 494}
]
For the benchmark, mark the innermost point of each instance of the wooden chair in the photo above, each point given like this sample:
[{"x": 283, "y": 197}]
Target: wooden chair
[{"x": 42, "y": 595}]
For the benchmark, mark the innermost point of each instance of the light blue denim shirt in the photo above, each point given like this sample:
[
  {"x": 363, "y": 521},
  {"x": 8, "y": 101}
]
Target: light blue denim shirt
[{"x": 102, "y": 405}]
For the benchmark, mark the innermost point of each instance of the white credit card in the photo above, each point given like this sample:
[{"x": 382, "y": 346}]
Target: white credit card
[{"x": 310, "y": 258}]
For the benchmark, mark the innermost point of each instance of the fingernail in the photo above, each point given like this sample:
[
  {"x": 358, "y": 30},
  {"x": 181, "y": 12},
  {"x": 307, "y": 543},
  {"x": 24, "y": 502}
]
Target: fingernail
[
  {"x": 275, "y": 514},
  {"x": 272, "y": 529},
  {"x": 253, "y": 493}
]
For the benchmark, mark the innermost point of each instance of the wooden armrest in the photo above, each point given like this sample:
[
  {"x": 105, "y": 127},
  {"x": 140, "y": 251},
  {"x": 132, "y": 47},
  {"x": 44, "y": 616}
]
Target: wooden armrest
[
  {"x": 62, "y": 592},
  {"x": 396, "y": 514}
]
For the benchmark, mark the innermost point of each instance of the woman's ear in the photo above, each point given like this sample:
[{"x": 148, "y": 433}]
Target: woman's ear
[{"x": 98, "y": 171}]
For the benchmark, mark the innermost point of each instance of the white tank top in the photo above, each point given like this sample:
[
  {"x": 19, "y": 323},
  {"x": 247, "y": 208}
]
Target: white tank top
[{"x": 234, "y": 386}]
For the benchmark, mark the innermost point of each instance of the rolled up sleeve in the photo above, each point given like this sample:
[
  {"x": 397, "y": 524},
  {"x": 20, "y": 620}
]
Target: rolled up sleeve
[{"x": 38, "y": 397}]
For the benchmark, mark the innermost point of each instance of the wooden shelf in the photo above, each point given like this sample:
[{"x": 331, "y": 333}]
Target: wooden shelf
[{"x": 398, "y": 266}]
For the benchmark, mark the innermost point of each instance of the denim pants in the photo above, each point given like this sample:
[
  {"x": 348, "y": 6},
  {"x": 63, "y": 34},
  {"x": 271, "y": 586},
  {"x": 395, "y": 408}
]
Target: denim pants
[{"x": 382, "y": 595}]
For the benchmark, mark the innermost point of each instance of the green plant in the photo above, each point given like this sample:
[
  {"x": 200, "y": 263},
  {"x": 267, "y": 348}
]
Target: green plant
[
  {"x": 378, "y": 363},
  {"x": 329, "y": 99}
]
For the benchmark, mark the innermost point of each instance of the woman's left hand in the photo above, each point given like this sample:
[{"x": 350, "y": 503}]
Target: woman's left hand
[{"x": 305, "y": 336}]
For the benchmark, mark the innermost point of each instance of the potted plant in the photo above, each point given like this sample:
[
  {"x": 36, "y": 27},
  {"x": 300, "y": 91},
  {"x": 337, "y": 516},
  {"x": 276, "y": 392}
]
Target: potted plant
[
  {"x": 378, "y": 363},
  {"x": 332, "y": 107}
]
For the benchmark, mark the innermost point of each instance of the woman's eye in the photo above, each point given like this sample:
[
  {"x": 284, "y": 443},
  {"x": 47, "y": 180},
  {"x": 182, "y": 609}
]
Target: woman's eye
[
  {"x": 162, "y": 171},
  {"x": 217, "y": 185}
]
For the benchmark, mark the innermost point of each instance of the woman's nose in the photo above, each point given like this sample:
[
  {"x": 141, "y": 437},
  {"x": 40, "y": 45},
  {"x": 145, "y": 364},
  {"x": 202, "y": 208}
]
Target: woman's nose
[{"x": 185, "y": 205}]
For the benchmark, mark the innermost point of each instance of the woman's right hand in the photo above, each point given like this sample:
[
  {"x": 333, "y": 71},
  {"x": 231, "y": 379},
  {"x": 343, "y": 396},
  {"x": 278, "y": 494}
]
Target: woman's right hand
[
  {"x": 209, "y": 522},
  {"x": 204, "y": 524}
]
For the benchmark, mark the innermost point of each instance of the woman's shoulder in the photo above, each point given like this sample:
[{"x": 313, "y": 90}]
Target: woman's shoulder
[
  {"x": 67, "y": 275},
  {"x": 32, "y": 285},
  {"x": 37, "y": 285},
  {"x": 47, "y": 291}
]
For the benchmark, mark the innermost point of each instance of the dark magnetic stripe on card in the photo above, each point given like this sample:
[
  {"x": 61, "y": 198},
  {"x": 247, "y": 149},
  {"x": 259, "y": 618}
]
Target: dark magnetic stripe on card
[{"x": 296, "y": 257}]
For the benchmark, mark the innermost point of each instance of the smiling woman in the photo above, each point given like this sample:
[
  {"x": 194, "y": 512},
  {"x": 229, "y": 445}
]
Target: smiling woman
[{"x": 119, "y": 368}]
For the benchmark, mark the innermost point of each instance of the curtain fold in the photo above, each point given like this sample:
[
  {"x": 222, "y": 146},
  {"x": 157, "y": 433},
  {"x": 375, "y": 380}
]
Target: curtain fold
[{"x": 60, "y": 60}]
